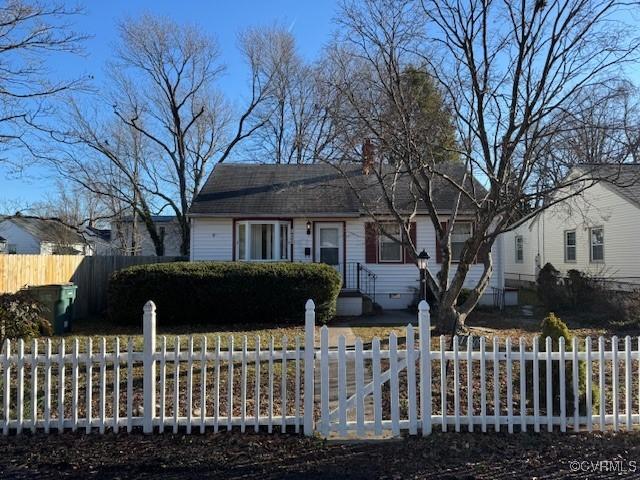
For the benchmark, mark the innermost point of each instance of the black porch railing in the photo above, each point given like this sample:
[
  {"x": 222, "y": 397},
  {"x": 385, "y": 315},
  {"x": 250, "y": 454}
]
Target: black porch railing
[{"x": 358, "y": 277}]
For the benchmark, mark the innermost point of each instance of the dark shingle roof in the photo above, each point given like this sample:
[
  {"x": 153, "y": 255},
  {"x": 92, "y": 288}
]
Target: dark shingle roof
[
  {"x": 622, "y": 178},
  {"x": 48, "y": 229},
  {"x": 101, "y": 233},
  {"x": 316, "y": 189}
]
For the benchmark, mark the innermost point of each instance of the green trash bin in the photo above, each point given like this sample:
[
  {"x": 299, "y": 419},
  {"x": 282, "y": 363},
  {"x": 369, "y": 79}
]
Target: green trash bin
[{"x": 58, "y": 301}]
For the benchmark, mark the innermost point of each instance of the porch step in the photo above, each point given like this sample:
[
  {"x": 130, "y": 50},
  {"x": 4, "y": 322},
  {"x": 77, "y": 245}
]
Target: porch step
[{"x": 349, "y": 293}]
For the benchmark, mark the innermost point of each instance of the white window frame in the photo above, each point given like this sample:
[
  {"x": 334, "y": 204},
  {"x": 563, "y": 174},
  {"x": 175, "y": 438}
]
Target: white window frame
[
  {"x": 382, "y": 238},
  {"x": 591, "y": 245},
  {"x": 277, "y": 240},
  {"x": 463, "y": 222},
  {"x": 574, "y": 246},
  {"x": 519, "y": 249}
]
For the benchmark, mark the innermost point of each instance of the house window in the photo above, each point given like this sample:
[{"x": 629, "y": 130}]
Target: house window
[
  {"x": 262, "y": 241},
  {"x": 519, "y": 249},
  {"x": 390, "y": 250},
  {"x": 459, "y": 235},
  {"x": 570, "y": 246},
  {"x": 12, "y": 248},
  {"x": 284, "y": 241},
  {"x": 597, "y": 244}
]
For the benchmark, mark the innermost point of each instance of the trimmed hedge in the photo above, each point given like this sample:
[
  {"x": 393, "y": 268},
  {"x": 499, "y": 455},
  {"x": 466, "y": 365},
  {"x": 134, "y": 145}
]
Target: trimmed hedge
[{"x": 223, "y": 292}]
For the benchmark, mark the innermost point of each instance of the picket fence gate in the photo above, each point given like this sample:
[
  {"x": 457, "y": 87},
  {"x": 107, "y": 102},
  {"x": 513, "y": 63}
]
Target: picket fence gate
[{"x": 367, "y": 390}]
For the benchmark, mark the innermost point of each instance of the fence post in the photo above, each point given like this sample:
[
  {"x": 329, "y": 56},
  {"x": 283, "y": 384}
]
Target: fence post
[
  {"x": 309, "y": 361},
  {"x": 424, "y": 328},
  {"x": 149, "y": 362}
]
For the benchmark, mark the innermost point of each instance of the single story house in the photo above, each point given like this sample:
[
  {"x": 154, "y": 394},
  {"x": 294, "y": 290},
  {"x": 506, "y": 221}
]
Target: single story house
[
  {"x": 596, "y": 231},
  {"x": 310, "y": 213},
  {"x": 130, "y": 239},
  {"x": 41, "y": 236},
  {"x": 100, "y": 240}
]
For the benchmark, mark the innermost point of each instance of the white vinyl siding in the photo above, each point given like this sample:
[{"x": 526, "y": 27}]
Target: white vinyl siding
[
  {"x": 396, "y": 283},
  {"x": 19, "y": 239},
  {"x": 598, "y": 206},
  {"x": 212, "y": 239}
]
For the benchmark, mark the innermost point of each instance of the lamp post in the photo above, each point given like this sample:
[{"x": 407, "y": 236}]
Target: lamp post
[{"x": 423, "y": 261}]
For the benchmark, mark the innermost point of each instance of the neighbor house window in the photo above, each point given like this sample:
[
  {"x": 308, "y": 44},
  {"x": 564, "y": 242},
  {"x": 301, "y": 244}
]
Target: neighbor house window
[
  {"x": 570, "y": 246},
  {"x": 597, "y": 244},
  {"x": 519, "y": 249},
  {"x": 459, "y": 235},
  {"x": 262, "y": 241},
  {"x": 390, "y": 250}
]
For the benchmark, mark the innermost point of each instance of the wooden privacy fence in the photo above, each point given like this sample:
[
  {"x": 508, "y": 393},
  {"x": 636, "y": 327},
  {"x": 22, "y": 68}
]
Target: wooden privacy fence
[
  {"x": 390, "y": 386},
  {"x": 91, "y": 274}
]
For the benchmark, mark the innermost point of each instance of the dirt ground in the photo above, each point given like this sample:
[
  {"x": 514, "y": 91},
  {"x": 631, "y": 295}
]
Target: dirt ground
[{"x": 472, "y": 456}]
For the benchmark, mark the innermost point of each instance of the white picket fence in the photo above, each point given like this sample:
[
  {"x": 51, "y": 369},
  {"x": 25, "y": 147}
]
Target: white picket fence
[
  {"x": 387, "y": 387},
  {"x": 194, "y": 388}
]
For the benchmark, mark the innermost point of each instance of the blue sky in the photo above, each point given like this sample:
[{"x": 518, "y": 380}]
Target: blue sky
[{"x": 310, "y": 22}]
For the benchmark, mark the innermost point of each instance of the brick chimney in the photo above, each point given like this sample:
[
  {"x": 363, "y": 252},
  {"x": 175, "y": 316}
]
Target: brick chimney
[{"x": 368, "y": 156}]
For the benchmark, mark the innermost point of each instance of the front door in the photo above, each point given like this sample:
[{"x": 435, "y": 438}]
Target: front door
[{"x": 329, "y": 244}]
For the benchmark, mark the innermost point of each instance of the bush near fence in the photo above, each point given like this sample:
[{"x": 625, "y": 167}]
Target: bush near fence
[
  {"x": 555, "y": 329},
  {"x": 580, "y": 293},
  {"x": 223, "y": 292},
  {"x": 22, "y": 317}
]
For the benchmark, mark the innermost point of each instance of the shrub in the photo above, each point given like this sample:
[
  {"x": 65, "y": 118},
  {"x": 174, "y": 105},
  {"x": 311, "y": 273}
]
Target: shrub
[
  {"x": 620, "y": 308},
  {"x": 223, "y": 292},
  {"x": 21, "y": 317},
  {"x": 550, "y": 289},
  {"x": 580, "y": 288},
  {"x": 555, "y": 328}
]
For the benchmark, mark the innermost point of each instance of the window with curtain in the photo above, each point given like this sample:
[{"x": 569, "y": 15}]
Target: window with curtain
[{"x": 262, "y": 241}]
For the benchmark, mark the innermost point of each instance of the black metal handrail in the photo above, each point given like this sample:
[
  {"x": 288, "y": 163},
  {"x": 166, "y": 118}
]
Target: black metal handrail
[{"x": 358, "y": 277}]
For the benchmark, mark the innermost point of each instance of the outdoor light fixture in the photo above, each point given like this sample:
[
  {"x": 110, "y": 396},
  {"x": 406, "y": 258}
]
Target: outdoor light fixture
[
  {"x": 423, "y": 260},
  {"x": 308, "y": 227}
]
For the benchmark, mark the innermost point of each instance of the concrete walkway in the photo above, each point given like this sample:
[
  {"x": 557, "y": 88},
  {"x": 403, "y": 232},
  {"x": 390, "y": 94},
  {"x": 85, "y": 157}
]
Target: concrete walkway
[{"x": 389, "y": 318}]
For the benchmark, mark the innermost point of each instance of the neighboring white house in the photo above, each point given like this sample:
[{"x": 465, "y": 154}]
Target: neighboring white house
[
  {"x": 597, "y": 231},
  {"x": 44, "y": 236},
  {"x": 135, "y": 240},
  {"x": 308, "y": 213}
]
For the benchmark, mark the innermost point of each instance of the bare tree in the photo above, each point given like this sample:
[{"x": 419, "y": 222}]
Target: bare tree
[
  {"x": 507, "y": 70},
  {"x": 168, "y": 124},
  {"x": 296, "y": 122},
  {"x": 31, "y": 31},
  {"x": 73, "y": 205}
]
